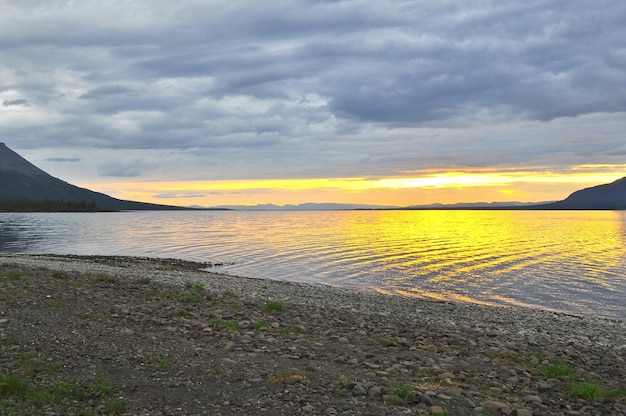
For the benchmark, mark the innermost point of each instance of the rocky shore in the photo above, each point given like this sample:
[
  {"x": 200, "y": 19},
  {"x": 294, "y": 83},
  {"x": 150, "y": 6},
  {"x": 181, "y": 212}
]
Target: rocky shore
[{"x": 115, "y": 335}]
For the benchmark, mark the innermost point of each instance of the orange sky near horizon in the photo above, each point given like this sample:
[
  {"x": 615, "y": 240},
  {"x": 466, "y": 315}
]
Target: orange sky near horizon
[{"x": 420, "y": 189}]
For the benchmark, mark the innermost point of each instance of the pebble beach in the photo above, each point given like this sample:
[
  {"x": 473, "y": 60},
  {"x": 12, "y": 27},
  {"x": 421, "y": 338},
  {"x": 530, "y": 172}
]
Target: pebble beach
[{"x": 166, "y": 338}]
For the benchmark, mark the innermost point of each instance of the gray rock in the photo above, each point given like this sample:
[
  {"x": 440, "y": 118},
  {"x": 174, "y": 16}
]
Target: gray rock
[{"x": 358, "y": 390}]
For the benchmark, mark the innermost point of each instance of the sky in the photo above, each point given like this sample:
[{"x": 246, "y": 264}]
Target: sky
[{"x": 373, "y": 102}]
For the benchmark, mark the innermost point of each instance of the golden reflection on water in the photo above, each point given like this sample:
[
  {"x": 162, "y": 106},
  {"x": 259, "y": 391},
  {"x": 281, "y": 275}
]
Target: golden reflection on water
[
  {"x": 571, "y": 261},
  {"x": 451, "y": 252}
]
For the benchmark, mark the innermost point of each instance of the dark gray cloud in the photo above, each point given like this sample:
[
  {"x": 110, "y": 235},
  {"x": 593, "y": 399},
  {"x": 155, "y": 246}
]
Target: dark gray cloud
[
  {"x": 17, "y": 102},
  {"x": 309, "y": 88},
  {"x": 63, "y": 159}
]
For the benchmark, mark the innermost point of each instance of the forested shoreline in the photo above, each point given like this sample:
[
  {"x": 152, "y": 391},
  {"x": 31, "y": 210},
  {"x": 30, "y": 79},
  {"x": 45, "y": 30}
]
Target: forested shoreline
[{"x": 47, "y": 205}]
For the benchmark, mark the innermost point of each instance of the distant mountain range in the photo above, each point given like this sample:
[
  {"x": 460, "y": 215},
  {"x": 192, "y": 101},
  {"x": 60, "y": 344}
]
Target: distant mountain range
[
  {"x": 20, "y": 180},
  {"x": 310, "y": 206}
]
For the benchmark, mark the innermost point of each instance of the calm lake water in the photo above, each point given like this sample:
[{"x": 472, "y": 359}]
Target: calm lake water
[{"x": 567, "y": 261}]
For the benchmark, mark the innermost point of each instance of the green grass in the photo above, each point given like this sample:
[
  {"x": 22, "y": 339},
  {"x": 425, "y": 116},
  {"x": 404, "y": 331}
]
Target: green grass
[
  {"x": 555, "y": 370},
  {"x": 589, "y": 390},
  {"x": 231, "y": 325},
  {"x": 162, "y": 365},
  {"x": 407, "y": 392},
  {"x": 59, "y": 274},
  {"x": 105, "y": 278},
  {"x": 616, "y": 394},
  {"x": 274, "y": 306},
  {"x": 143, "y": 280},
  {"x": 191, "y": 299},
  {"x": 339, "y": 386},
  {"x": 11, "y": 385},
  {"x": 19, "y": 397},
  {"x": 115, "y": 407},
  {"x": 226, "y": 324},
  {"x": 259, "y": 324},
  {"x": 28, "y": 363},
  {"x": 58, "y": 392},
  {"x": 99, "y": 388},
  {"x": 15, "y": 274},
  {"x": 195, "y": 287},
  {"x": 11, "y": 338}
]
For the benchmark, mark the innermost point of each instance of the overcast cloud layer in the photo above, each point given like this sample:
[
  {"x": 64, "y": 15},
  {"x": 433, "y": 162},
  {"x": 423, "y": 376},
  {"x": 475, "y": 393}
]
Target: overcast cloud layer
[{"x": 296, "y": 89}]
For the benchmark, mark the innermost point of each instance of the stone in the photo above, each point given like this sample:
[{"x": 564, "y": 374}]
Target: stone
[
  {"x": 495, "y": 406},
  {"x": 374, "y": 392},
  {"x": 393, "y": 400},
  {"x": 294, "y": 379},
  {"x": 522, "y": 412},
  {"x": 426, "y": 399},
  {"x": 533, "y": 399},
  {"x": 358, "y": 390},
  {"x": 436, "y": 410}
]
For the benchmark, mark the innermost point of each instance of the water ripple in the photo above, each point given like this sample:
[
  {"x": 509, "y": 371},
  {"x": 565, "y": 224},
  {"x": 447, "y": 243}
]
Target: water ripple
[{"x": 571, "y": 262}]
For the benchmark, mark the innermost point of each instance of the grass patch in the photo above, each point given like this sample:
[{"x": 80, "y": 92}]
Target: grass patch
[
  {"x": 590, "y": 390},
  {"x": 143, "y": 280},
  {"x": 12, "y": 385},
  {"x": 615, "y": 395},
  {"x": 162, "y": 365},
  {"x": 28, "y": 363},
  {"x": 339, "y": 386},
  {"x": 231, "y": 325},
  {"x": 274, "y": 306},
  {"x": 18, "y": 397},
  {"x": 105, "y": 278},
  {"x": 191, "y": 299},
  {"x": 115, "y": 407},
  {"x": 555, "y": 370},
  {"x": 226, "y": 324},
  {"x": 56, "y": 304},
  {"x": 13, "y": 338},
  {"x": 59, "y": 274},
  {"x": 99, "y": 388},
  {"x": 58, "y": 392},
  {"x": 195, "y": 287},
  {"x": 14, "y": 274},
  {"x": 259, "y": 324},
  {"x": 408, "y": 393}
]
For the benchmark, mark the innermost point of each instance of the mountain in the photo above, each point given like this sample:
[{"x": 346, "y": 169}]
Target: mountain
[
  {"x": 475, "y": 206},
  {"x": 310, "y": 206},
  {"x": 21, "y": 180},
  {"x": 608, "y": 196}
]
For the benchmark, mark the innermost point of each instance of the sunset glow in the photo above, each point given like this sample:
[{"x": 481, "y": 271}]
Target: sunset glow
[{"x": 435, "y": 187}]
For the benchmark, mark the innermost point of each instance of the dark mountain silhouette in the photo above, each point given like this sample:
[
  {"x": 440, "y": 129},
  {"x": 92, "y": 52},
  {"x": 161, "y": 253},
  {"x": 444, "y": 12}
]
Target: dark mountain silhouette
[
  {"x": 20, "y": 180},
  {"x": 607, "y": 196}
]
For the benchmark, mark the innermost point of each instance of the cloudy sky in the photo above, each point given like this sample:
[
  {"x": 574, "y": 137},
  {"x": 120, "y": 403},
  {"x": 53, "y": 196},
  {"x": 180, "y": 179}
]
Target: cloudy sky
[{"x": 382, "y": 102}]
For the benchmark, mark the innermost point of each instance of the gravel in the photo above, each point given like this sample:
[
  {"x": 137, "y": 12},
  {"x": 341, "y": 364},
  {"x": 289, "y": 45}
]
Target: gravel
[{"x": 168, "y": 338}]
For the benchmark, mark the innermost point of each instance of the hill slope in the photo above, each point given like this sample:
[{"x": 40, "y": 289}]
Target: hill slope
[
  {"x": 20, "y": 179},
  {"x": 607, "y": 196}
]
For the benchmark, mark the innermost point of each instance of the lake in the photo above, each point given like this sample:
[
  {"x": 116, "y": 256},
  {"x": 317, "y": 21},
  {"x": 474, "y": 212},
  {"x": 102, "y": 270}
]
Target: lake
[{"x": 566, "y": 261}]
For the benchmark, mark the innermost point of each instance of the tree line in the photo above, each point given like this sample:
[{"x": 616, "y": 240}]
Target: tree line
[{"x": 47, "y": 205}]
